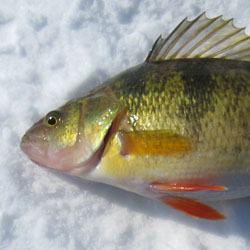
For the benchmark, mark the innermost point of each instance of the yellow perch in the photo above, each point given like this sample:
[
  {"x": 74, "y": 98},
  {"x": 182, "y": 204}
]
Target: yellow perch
[{"x": 174, "y": 128}]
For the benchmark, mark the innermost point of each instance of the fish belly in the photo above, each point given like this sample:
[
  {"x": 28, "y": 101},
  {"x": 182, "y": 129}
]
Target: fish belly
[{"x": 137, "y": 173}]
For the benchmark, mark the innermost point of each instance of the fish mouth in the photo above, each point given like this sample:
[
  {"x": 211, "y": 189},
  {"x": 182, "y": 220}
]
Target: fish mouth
[
  {"x": 39, "y": 151},
  {"x": 36, "y": 152}
]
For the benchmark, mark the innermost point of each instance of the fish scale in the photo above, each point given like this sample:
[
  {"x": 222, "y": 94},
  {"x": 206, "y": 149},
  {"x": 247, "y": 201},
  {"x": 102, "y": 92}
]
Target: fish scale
[{"x": 200, "y": 121}]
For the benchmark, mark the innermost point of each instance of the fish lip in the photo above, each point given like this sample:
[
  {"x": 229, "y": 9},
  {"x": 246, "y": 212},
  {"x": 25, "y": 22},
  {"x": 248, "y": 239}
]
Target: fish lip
[
  {"x": 24, "y": 145},
  {"x": 31, "y": 148}
]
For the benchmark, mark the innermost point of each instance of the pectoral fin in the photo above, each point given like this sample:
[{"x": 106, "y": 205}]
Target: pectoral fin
[
  {"x": 193, "y": 208},
  {"x": 158, "y": 142},
  {"x": 165, "y": 187}
]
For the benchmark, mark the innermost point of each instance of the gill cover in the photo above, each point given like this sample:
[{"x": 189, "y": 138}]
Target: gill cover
[{"x": 99, "y": 119}]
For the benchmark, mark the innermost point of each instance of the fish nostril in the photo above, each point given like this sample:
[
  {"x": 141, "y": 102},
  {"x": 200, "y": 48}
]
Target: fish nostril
[{"x": 25, "y": 138}]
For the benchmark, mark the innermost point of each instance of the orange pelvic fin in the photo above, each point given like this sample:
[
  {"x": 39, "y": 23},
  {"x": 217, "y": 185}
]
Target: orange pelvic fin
[
  {"x": 158, "y": 142},
  {"x": 193, "y": 208},
  {"x": 164, "y": 187}
]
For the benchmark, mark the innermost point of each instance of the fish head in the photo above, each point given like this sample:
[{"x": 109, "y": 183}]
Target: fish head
[
  {"x": 51, "y": 142},
  {"x": 72, "y": 138}
]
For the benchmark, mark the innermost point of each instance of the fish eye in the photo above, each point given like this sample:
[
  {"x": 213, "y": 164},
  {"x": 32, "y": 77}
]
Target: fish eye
[{"x": 52, "y": 118}]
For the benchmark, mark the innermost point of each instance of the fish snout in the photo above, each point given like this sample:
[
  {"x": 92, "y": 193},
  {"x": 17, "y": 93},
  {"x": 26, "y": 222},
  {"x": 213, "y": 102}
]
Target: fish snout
[
  {"x": 25, "y": 143},
  {"x": 34, "y": 146}
]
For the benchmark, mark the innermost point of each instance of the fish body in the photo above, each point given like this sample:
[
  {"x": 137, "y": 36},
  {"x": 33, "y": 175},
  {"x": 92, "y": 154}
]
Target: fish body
[
  {"x": 203, "y": 103},
  {"x": 174, "y": 128}
]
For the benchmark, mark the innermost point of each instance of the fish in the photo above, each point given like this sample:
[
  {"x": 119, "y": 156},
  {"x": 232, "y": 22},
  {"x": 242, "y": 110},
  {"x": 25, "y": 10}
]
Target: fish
[{"x": 174, "y": 128}]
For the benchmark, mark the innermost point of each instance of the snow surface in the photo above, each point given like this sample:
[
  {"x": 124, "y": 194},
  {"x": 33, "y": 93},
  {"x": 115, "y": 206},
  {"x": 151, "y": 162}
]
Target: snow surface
[{"x": 51, "y": 51}]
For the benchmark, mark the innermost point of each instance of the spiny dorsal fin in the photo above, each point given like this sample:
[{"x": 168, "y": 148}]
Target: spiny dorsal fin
[{"x": 203, "y": 38}]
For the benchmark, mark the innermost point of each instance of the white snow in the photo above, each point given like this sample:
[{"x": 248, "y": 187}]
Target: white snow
[{"x": 50, "y": 51}]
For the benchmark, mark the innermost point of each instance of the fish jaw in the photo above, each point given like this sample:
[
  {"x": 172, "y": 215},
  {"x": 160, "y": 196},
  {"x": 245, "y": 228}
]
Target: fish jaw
[
  {"x": 34, "y": 151},
  {"x": 41, "y": 153}
]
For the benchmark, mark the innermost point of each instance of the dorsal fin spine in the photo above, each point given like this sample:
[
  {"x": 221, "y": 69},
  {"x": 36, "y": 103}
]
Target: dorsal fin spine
[
  {"x": 220, "y": 41},
  {"x": 203, "y": 38},
  {"x": 167, "y": 39},
  {"x": 230, "y": 47},
  {"x": 198, "y": 44},
  {"x": 172, "y": 44},
  {"x": 243, "y": 57},
  {"x": 194, "y": 35},
  {"x": 153, "y": 51},
  {"x": 240, "y": 51}
]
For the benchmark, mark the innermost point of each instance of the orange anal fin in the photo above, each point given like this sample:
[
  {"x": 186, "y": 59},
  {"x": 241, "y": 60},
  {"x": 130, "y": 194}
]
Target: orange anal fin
[
  {"x": 164, "y": 187},
  {"x": 158, "y": 142},
  {"x": 193, "y": 208}
]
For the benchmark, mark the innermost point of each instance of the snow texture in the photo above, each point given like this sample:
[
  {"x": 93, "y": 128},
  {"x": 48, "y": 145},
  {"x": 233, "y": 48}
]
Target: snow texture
[{"x": 53, "y": 50}]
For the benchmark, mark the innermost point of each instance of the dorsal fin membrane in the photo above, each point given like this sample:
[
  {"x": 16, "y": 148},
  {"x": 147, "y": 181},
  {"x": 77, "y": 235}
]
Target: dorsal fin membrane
[{"x": 203, "y": 38}]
